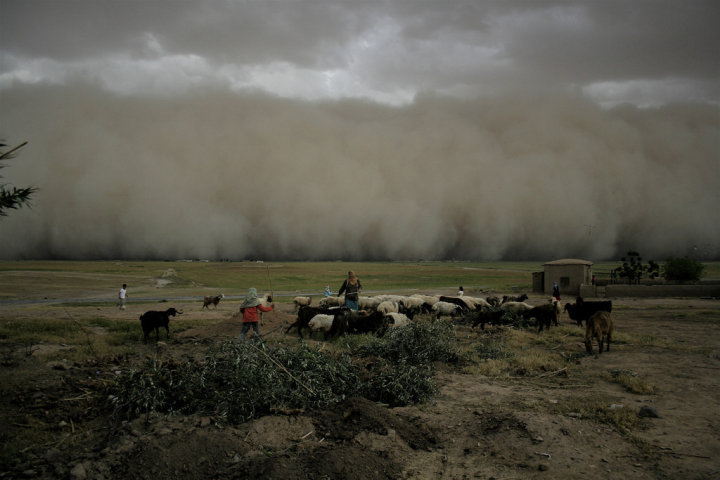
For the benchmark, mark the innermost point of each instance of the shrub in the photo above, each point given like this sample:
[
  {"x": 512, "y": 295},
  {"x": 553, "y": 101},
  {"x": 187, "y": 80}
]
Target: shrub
[
  {"x": 683, "y": 270},
  {"x": 418, "y": 343},
  {"x": 399, "y": 384},
  {"x": 238, "y": 382}
]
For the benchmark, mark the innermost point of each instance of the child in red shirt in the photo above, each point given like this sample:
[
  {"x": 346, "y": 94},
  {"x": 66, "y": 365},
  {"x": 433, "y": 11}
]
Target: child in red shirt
[{"x": 249, "y": 308}]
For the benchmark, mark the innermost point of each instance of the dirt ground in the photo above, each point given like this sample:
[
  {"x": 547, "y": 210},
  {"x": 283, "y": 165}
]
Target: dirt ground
[{"x": 477, "y": 427}]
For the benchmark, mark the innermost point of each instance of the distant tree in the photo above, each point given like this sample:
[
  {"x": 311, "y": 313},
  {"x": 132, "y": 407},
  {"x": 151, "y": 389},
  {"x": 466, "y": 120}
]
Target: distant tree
[
  {"x": 633, "y": 269},
  {"x": 683, "y": 270},
  {"x": 12, "y": 198}
]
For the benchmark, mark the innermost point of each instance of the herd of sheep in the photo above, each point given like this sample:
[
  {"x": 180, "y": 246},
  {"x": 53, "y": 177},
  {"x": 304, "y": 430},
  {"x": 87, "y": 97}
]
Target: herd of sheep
[{"x": 378, "y": 314}]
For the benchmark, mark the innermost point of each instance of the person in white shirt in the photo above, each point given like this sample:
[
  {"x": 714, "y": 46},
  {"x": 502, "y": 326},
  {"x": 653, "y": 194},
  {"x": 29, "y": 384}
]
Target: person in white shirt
[{"x": 122, "y": 295}]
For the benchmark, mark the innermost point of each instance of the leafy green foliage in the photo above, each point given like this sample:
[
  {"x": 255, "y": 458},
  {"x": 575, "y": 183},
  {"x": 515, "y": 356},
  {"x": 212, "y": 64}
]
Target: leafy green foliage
[
  {"x": 418, "y": 343},
  {"x": 238, "y": 382},
  {"x": 633, "y": 269},
  {"x": 12, "y": 198},
  {"x": 399, "y": 384},
  {"x": 683, "y": 270}
]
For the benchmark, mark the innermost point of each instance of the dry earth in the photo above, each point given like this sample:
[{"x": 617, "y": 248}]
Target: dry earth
[{"x": 477, "y": 427}]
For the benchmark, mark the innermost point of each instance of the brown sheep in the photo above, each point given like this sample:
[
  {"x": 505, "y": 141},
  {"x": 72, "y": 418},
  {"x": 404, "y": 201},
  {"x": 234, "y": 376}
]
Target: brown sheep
[{"x": 599, "y": 326}]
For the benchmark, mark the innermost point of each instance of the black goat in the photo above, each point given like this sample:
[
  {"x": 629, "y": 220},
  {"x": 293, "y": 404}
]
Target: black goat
[
  {"x": 492, "y": 316},
  {"x": 582, "y": 310},
  {"x": 376, "y": 323},
  {"x": 154, "y": 319}
]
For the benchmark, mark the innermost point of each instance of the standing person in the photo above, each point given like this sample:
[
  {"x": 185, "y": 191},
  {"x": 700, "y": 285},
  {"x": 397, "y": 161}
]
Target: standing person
[
  {"x": 460, "y": 292},
  {"x": 122, "y": 295},
  {"x": 249, "y": 308},
  {"x": 352, "y": 288},
  {"x": 327, "y": 291},
  {"x": 556, "y": 291}
]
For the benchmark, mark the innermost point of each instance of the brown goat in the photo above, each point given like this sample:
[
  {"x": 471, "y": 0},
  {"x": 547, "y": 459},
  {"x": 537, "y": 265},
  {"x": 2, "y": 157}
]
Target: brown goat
[
  {"x": 599, "y": 326},
  {"x": 212, "y": 300}
]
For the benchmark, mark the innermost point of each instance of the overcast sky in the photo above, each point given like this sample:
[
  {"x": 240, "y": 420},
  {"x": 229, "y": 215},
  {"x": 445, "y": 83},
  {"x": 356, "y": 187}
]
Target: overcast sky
[{"x": 362, "y": 129}]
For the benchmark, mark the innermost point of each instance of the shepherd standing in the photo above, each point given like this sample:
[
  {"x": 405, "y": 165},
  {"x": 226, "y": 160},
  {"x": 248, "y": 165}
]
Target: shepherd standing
[
  {"x": 352, "y": 288},
  {"x": 556, "y": 291},
  {"x": 249, "y": 308}
]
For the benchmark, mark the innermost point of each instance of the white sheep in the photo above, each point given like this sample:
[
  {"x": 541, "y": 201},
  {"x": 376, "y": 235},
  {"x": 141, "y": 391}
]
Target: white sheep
[
  {"x": 388, "y": 298},
  {"x": 398, "y": 319},
  {"x": 515, "y": 307},
  {"x": 445, "y": 308},
  {"x": 321, "y": 322},
  {"x": 475, "y": 303},
  {"x": 332, "y": 301},
  {"x": 413, "y": 302},
  {"x": 431, "y": 299},
  {"x": 302, "y": 302},
  {"x": 368, "y": 303},
  {"x": 387, "y": 307}
]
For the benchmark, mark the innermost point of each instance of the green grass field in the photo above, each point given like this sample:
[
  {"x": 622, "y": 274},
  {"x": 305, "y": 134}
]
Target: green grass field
[{"x": 102, "y": 279}]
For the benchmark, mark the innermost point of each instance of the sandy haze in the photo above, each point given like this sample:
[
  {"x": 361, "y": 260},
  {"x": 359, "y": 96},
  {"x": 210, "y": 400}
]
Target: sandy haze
[{"x": 220, "y": 175}]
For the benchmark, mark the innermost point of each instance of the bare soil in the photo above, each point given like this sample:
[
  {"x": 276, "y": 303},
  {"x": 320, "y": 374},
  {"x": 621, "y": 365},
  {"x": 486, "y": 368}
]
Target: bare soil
[{"x": 477, "y": 427}]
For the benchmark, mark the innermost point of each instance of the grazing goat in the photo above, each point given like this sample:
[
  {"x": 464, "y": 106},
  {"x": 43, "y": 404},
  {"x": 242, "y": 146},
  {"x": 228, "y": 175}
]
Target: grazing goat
[
  {"x": 599, "y": 326},
  {"x": 359, "y": 322},
  {"x": 212, "y": 300},
  {"x": 492, "y": 316},
  {"x": 582, "y": 310},
  {"x": 154, "y": 319},
  {"x": 544, "y": 314}
]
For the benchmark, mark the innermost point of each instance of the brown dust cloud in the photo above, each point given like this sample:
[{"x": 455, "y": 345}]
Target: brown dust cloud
[{"x": 250, "y": 176}]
